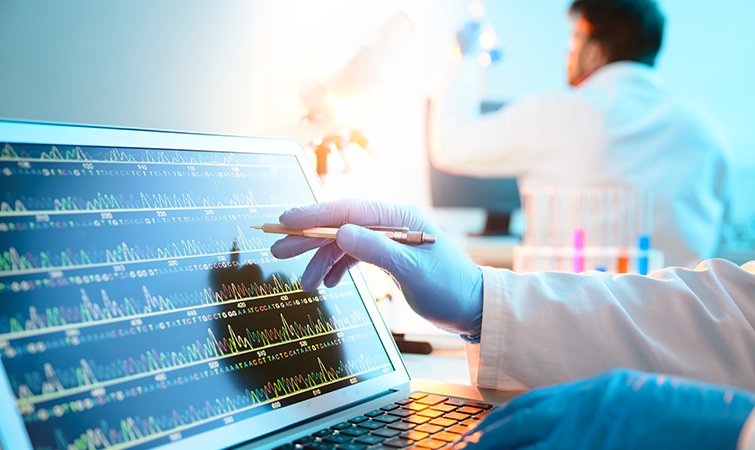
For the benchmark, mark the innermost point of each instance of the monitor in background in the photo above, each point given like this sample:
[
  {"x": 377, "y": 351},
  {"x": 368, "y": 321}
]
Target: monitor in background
[{"x": 499, "y": 197}]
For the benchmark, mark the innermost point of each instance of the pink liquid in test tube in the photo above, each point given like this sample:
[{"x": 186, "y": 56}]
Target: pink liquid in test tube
[{"x": 579, "y": 247}]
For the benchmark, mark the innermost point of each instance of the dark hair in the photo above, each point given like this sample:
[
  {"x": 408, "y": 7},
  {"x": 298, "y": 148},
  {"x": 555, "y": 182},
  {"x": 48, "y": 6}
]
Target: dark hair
[{"x": 628, "y": 30}]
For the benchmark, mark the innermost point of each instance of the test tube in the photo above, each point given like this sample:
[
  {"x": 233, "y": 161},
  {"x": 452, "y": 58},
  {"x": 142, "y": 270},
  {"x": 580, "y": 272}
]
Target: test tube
[
  {"x": 530, "y": 203},
  {"x": 622, "y": 262},
  {"x": 643, "y": 245},
  {"x": 579, "y": 248}
]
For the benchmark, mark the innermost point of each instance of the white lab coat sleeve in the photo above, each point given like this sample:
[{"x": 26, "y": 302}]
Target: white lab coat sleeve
[
  {"x": 747, "y": 436},
  {"x": 551, "y": 327},
  {"x": 507, "y": 142}
]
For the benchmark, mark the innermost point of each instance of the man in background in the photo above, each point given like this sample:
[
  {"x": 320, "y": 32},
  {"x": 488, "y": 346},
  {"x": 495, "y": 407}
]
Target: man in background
[{"x": 619, "y": 127}]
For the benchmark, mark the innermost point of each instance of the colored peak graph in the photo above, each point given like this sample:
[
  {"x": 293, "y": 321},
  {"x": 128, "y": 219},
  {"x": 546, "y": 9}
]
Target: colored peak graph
[
  {"x": 130, "y": 430},
  {"x": 12, "y": 260},
  {"x": 90, "y": 371}
]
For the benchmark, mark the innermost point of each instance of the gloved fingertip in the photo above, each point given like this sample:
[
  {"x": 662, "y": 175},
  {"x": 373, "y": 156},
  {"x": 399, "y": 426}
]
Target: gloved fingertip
[
  {"x": 276, "y": 251},
  {"x": 309, "y": 283},
  {"x": 310, "y": 279},
  {"x": 330, "y": 282},
  {"x": 348, "y": 237},
  {"x": 288, "y": 214}
]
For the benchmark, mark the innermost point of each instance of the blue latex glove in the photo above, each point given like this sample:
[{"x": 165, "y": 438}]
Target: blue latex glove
[
  {"x": 438, "y": 280},
  {"x": 623, "y": 409},
  {"x": 468, "y": 38}
]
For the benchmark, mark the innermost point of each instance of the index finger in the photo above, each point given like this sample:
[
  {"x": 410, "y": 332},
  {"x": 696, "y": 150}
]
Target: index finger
[
  {"x": 357, "y": 212},
  {"x": 291, "y": 246}
]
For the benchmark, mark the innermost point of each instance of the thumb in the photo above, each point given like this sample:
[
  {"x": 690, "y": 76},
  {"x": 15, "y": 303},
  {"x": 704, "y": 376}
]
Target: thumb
[{"x": 372, "y": 247}]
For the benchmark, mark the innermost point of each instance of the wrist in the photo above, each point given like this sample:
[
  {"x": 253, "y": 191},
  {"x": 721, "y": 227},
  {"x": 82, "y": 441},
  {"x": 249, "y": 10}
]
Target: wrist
[{"x": 471, "y": 328}]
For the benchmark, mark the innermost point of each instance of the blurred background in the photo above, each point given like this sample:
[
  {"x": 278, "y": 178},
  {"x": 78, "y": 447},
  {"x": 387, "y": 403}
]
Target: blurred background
[{"x": 350, "y": 80}]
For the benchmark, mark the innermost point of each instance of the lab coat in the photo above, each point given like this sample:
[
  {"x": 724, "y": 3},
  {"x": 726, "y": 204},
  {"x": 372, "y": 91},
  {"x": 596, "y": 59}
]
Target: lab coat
[
  {"x": 620, "y": 128},
  {"x": 552, "y": 327}
]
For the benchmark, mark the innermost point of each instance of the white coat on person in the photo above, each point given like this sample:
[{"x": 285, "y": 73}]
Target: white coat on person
[
  {"x": 544, "y": 328},
  {"x": 620, "y": 127}
]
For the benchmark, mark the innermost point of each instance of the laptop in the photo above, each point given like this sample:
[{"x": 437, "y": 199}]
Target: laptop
[{"x": 139, "y": 310}]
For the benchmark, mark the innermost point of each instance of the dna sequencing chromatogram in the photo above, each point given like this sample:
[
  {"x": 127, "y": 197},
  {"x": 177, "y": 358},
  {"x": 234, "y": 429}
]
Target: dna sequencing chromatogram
[{"x": 138, "y": 308}]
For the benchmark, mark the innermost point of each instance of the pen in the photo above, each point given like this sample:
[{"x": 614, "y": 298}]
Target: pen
[{"x": 399, "y": 234}]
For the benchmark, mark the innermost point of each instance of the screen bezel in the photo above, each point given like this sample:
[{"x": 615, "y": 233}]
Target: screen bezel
[{"x": 13, "y": 433}]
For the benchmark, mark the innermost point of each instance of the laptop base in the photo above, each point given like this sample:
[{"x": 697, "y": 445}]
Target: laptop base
[{"x": 397, "y": 426}]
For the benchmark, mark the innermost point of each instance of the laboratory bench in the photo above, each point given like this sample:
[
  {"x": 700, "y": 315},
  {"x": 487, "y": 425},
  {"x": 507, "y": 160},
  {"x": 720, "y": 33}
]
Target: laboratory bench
[{"x": 462, "y": 224}]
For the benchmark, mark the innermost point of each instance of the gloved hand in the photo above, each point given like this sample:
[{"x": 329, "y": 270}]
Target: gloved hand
[
  {"x": 475, "y": 38},
  {"x": 438, "y": 280},
  {"x": 623, "y": 409},
  {"x": 468, "y": 38}
]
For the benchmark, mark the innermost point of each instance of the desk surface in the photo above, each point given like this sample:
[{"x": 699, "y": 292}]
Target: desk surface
[
  {"x": 461, "y": 223},
  {"x": 493, "y": 251}
]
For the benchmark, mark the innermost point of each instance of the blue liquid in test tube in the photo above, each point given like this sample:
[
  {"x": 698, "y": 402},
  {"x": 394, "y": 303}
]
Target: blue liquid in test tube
[{"x": 643, "y": 244}]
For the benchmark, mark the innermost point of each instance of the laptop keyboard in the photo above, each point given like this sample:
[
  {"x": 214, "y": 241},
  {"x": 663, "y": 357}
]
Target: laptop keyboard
[{"x": 420, "y": 421}]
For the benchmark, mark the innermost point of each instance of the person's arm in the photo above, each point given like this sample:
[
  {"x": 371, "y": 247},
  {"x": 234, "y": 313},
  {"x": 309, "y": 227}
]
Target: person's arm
[
  {"x": 547, "y": 327},
  {"x": 509, "y": 141},
  {"x": 544, "y": 328},
  {"x": 619, "y": 409}
]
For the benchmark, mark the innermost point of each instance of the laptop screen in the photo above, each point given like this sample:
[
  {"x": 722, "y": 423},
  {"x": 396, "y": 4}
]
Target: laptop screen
[{"x": 138, "y": 307}]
